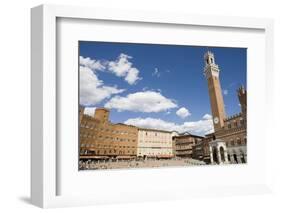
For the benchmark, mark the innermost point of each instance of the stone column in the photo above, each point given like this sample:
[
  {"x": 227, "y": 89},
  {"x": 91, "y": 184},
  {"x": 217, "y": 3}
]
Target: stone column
[
  {"x": 211, "y": 155},
  {"x": 239, "y": 158},
  {"x": 231, "y": 158},
  {"x": 225, "y": 156}
]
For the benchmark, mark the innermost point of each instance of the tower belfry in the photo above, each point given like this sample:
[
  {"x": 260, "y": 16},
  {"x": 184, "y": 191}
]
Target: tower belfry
[{"x": 211, "y": 72}]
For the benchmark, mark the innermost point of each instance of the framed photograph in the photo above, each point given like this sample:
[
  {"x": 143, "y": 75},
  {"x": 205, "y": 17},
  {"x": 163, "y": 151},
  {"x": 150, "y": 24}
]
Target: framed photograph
[
  {"x": 139, "y": 126},
  {"x": 149, "y": 106}
]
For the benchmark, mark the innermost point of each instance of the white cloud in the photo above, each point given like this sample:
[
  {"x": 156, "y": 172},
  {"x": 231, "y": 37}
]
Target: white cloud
[
  {"x": 200, "y": 127},
  {"x": 93, "y": 90},
  {"x": 132, "y": 76},
  {"x": 91, "y": 63},
  {"x": 90, "y": 111},
  {"x": 156, "y": 73},
  {"x": 207, "y": 117},
  {"x": 225, "y": 92},
  {"x": 146, "y": 101},
  {"x": 183, "y": 112},
  {"x": 148, "y": 89},
  {"x": 122, "y": 67}
]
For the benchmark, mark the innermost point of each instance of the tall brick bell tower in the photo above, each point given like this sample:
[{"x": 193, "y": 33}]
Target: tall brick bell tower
[
  {"x": 242, "y": 96},
  {"x": 211, "y": 72}
]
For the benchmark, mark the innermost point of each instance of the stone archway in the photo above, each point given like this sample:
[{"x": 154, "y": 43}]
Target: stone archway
[
  {"x": 215, "y": 155},
  {"x": 218, "y": 152},
  {"x": 243, "y": 158},
  {"x": 222, "y": 154},
  {"x": 235, "y": 158}
]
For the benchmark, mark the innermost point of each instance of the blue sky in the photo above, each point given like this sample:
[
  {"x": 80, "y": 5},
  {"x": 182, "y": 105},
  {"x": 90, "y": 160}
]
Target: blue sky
[{"x": 172, "y": 73}]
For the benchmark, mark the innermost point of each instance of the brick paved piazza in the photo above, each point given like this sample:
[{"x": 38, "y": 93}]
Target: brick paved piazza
[{"x": 150, "y": 163}]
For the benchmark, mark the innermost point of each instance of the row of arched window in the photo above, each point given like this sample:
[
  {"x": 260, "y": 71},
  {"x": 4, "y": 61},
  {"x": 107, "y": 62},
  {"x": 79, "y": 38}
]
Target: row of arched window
[
  {"x": 235, "y": 124},
  {"x": 237, "y": 142}
]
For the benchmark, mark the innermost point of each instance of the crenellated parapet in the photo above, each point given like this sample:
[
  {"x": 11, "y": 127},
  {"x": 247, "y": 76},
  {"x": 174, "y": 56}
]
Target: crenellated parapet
[
  {"x": 241, "y": 91},
  {"x": 233, "y": 117},
  {"x": 231, "y": 131}
]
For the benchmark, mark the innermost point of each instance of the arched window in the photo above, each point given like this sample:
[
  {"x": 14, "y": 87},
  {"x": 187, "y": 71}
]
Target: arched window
[
  {"x": 245, "y": 140},
  {"x": 242, "y": 122},
  {"x": 238, "y": 141},
  {"x": 229, "y": 125}
]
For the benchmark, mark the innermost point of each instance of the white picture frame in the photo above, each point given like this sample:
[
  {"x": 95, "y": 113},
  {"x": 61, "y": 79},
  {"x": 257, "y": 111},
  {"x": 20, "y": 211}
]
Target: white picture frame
[{"x": 44, "y": 154}]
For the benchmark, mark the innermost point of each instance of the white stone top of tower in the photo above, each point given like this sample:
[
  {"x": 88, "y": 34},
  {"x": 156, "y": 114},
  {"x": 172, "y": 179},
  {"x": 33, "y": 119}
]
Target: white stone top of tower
[
  {"x": 211, "y": 68},
  {"x": 208, "y": 53}
]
